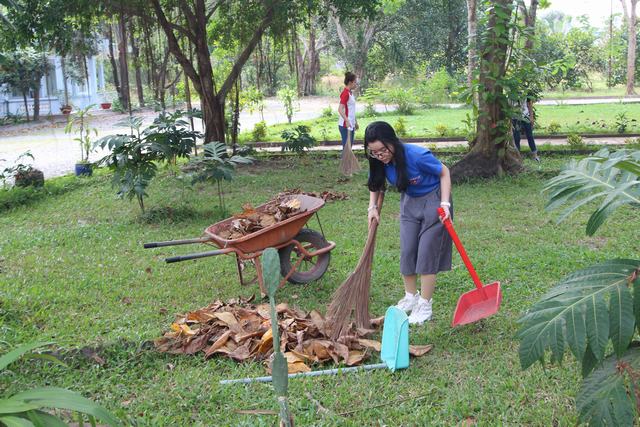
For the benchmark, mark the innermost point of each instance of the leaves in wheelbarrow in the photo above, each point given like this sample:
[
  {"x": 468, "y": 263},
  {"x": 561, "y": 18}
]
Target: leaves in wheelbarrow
[
  {"x": 327, "y": 195},
  {"x": 242, "y": 331},
  {"x": 251, "y": 220}
]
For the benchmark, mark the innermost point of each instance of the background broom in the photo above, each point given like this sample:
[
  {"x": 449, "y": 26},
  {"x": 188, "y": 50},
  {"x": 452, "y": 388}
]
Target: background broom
[
  {"x": 353, "y": 295},
  {"x": 348, "y": 162}
]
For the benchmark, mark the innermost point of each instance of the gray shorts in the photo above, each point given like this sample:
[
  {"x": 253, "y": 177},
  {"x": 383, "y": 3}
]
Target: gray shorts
[{"x": 425, "y": 245}]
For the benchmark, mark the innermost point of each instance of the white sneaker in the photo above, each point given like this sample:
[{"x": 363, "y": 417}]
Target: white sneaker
[
  {"x": 408, "y": 302},
  {"x": 422, "y": 312}
]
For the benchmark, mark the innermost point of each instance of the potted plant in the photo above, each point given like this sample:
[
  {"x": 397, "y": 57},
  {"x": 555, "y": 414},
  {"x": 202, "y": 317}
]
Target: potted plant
[
  {"x": 105, "y": 105},
  {"x": 66, "y": 109},
  {"x": 80, "y": 123},
  {"x": 24, "y": 174}
]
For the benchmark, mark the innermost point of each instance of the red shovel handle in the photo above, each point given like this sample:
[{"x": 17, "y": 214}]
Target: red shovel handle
[{"x": 465, "y": 258}]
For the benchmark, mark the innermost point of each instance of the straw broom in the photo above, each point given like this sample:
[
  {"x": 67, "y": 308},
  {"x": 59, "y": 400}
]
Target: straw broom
[
  {"x": 352, "y": 297},
  {"x": 349, "y": 162}
]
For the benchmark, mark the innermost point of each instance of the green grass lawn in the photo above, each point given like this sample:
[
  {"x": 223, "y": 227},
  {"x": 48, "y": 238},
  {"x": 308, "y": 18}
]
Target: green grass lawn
[
  {"x": 595, "y": 118},
  {"x": 73, "y": 270}
]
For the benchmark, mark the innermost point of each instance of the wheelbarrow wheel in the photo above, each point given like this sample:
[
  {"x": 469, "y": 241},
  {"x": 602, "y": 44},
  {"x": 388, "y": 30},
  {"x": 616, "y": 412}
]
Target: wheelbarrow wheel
[{"x": 311, "y": 268}]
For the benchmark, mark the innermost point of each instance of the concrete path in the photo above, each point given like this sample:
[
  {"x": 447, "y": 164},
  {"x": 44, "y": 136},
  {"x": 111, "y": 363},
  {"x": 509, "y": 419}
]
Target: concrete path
[{"x": 56, "y": 153}]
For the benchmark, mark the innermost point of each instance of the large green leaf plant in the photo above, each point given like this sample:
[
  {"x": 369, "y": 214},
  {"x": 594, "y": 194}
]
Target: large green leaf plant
[
  {"x": 29, "y": 408},
  {"x": 215, "y": 165},
  {"x": 134, "y": 157},
  {"x": 594, "y": 312}
]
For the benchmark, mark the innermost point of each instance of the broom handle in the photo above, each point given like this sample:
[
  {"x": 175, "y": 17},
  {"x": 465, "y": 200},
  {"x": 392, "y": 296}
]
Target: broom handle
[{"x": 465, "y": 258}]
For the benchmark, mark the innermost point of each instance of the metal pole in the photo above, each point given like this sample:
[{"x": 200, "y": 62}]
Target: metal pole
[{"x": 308, "y": 374}]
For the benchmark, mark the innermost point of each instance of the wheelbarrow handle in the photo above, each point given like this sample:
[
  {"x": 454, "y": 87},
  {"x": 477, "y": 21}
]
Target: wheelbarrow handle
[
  {"x": 463, "y": 254},
  {"x": 176, "y": 242},
  {"x": 197, "y": 255}
]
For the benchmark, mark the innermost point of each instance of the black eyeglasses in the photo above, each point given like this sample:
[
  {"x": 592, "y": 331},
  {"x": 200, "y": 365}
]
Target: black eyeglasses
[{"x": 378, "y": 153}]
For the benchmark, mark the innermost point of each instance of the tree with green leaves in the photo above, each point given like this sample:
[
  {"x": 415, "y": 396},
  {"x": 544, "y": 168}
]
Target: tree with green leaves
[
  {"x": 594, "y": 312},
  {"x": 23, "y": 70},
  {"x": 492, "y": 152},
  {"x": 234, "y": 26},
  {"x": 631, "y": 18}
]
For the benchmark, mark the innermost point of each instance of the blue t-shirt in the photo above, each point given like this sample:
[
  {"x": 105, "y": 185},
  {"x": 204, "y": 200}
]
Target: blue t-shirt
[{"x": 423, "y": 170}]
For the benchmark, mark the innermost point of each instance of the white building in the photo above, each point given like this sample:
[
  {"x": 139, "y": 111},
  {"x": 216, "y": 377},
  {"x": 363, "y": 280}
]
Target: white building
[{"x": 52, "y": 91}]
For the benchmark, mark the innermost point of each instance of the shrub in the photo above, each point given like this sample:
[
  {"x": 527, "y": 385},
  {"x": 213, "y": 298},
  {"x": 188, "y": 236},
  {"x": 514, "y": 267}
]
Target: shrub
[
  {"x": 369, "y": 97},
  {"x": 442, "y": 129},
  {"x": 297, "y": 139},
  {"x": 436, "y": 89},
  {"x": 216, "y": 166},
  {"x": 554, "y": 127},
  {"x": 259, "y": 132},
  {"x": 403, "y": 98},
  {"x": 288, "y": 95},
  {"x": 133, "y": 156},
  {"x": 575, "y": 141},
  {"x": 400, "y": 127},
  {"x": 622, "y": 122},
  {"x": 328, "y": 112}
]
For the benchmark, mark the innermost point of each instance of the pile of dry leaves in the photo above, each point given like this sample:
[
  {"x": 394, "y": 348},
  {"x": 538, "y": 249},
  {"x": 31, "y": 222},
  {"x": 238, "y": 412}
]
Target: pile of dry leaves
[
  {"x": 327, "y": 196},
  {"x": 251, "y": 220},
  {"x": 242, "y": 331}
]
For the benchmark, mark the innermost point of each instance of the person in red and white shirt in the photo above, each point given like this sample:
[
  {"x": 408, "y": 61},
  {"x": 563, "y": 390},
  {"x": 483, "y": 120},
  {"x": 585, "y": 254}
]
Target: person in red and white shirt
[{"x": 347, "y": 109}]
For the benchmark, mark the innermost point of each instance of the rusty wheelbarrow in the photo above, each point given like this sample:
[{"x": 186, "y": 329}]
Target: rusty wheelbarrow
[{"x": 304, "y": 253}]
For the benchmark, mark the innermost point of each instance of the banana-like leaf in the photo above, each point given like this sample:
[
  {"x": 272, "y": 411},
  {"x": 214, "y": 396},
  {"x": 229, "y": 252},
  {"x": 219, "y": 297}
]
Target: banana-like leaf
[
  {"x": 583, "y": 312},
  {"x": 54, "y": 397},
  {"x": 13, "y": 421},
  {"x": 41, "y": 418},
  {"x": 16, "y": 353},
  {"x": 604, "y": 398},
  {"x": 612, "y": 177}
]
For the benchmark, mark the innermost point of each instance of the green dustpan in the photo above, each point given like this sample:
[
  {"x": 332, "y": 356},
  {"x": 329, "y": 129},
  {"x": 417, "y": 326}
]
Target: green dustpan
[{"x": 395, "y": 339}]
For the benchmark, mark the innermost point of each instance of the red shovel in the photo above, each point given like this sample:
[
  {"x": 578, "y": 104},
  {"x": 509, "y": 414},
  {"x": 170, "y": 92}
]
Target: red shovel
[{"x": 479, "y": 303}]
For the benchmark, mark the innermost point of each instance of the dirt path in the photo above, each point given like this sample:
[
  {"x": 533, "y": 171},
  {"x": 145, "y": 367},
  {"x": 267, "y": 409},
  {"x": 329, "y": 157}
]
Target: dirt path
[{"x": 56, "y": 153}]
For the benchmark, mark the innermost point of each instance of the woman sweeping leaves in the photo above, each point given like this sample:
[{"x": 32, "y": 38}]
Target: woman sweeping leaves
[{"x": 425, "y": 184}]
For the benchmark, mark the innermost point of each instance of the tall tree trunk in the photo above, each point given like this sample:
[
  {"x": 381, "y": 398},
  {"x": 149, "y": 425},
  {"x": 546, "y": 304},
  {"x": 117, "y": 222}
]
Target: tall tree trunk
[
  {"x": 125, "y": 96},
  {"x": 26, "y": 104},
  {"x": 530, "y": 23},
  {"x": 36, "y": 101},
  {"x": 361, "y": 43},
  {"x": 112, "y": 60},
  {"x": 309, "y": 61},
  {"x": 136, "y": 63},
  {"x": 472, "y": 31},
  {"x": 201, "y": 73},
  {"x": 632, "y": 21},
  {"x": 492, "y": 154},
  {"x": 149, "y": 52},
  {"x": 65, "y": 84}
]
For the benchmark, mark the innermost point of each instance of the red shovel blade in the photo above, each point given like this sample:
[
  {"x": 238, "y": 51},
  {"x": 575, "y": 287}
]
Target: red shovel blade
[{"x": 477, "y": 304}]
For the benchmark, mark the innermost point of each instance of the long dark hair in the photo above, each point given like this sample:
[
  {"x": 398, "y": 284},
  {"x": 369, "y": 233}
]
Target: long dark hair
[{"x": 383, "y": 132}]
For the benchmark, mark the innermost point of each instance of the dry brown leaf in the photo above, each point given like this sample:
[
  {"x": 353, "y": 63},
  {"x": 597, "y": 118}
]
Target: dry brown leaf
[
  {"x": 355, "y": 357},
  {"x": 374, "y": 345},
  {"x": 197, "y": 344},
  {"x": 227, "y": 317},
  {"x": 222, "y": 340},
  {"x": 199, "y": 316},
  {"x": 420, "y": 350},
  {"x": 182, "y": 329},
  {"x": 241, "y": 353},
  {"x": 266, "y": 342},
  {"x": 297, "y": 367}
]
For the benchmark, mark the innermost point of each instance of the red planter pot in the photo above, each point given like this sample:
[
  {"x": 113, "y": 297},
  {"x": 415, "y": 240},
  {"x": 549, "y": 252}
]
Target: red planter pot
[{"x": 105, "y": 105}]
